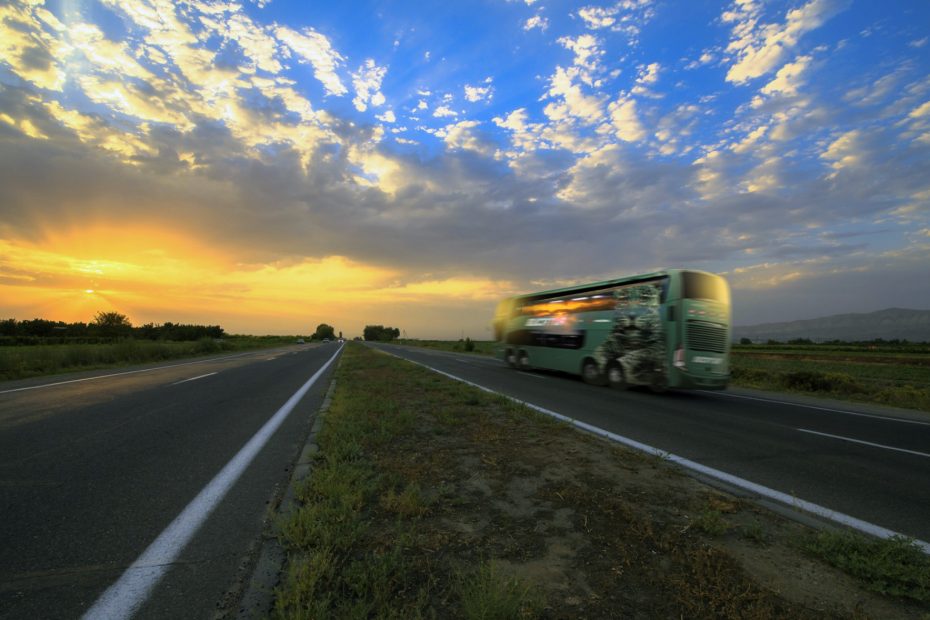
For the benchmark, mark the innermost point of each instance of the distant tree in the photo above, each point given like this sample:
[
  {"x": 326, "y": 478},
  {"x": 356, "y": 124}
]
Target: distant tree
[
  {"x": 745, "y": 341},
  {"x": 324, "y": 331},
  {"x": 380, "y": 332},
  {"x": 112, "y": 324},
  {"x": 8, "y": 327}
]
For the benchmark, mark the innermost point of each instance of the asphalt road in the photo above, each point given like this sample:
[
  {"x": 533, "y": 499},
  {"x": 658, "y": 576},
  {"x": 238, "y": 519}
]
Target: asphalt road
[
  {"x": 871, "y": 463},
  {"x": 93, "y": 470}
]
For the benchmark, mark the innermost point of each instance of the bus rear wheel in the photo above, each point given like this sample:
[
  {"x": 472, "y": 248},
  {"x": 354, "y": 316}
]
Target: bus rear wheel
[
  {"x": 591, "y": 373},
  {"x": 523, "y": 361},
  {"x": 615, "y": 377}
]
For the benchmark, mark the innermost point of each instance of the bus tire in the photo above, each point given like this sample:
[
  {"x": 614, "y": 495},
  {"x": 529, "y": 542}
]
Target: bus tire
[
  {"x": 511, "y": 357},
  {"x": 615, "y": 377},
  {"x": 590, "y": 372},
  {"x": 523, "y": 361}
]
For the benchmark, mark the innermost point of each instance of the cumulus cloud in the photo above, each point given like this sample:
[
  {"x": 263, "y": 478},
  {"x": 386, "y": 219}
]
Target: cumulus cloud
[
  {"x": 788, "y": 78},
  {"x": 537, "y": 21},
  {"x": 479, "y": 93},
  {"x": 624, "y": 120},
  {"x": 315, "y": 48},
  {"x": 367, "y": 83},
  {"x": 758, "y": 48},
  {"x": 598, "y": 17}
]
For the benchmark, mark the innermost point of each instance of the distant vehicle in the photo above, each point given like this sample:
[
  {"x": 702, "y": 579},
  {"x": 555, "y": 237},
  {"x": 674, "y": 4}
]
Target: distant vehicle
[
  {"x": 325, "y": 339},
  {"x": 668, "y": 328},
  {"x": 300, "y": 341}
]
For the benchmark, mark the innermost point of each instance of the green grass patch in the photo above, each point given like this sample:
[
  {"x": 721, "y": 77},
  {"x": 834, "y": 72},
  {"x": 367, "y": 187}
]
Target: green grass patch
[
  {"x": 895, "y": 567},
  {"x": 489, "y": 593}
]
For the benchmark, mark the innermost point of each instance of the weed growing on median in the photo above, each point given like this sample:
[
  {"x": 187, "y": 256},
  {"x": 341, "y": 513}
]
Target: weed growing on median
[{"x": 490, "y": 594}]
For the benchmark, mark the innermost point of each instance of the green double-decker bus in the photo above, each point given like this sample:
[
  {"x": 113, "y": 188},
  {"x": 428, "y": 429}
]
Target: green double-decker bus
[{"x": 666, "y": 329}]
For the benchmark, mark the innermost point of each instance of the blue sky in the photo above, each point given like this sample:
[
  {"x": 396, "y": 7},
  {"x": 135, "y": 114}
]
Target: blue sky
[{"x": 269, "y": 165}]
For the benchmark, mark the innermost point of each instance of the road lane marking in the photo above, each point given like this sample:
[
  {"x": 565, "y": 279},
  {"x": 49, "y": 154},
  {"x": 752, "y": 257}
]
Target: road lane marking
[
  {"x": 128, "y": 372},
  {"x": 785, "y": 402},
  {"x": 123, "y": 598},
  {"x": 747, "y": 485},
  {"x": 529, "y": 374},
  {"x": 865, "y": 443},
  {"x": 209, "y": 374}
]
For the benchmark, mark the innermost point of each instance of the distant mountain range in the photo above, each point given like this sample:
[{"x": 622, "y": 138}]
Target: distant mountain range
[{"x": 890, "y": 324}]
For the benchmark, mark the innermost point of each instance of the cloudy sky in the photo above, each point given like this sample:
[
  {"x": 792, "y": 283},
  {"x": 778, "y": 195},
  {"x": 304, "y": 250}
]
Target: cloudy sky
[{"x": 273, "y": 164}]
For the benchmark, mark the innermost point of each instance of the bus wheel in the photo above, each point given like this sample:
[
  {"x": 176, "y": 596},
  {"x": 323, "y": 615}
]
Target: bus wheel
[
  {"x": 615, "y": 377},
  {"x": 523, "y": 361},
  {"x": 511, "y": 358},
  {"x": 591, "y": 373}
]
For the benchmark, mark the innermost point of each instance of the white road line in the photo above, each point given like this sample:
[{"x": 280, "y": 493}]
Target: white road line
[
  {"x": 123, "y": 598},
  {"x": 785, "y": 402},
  {"x": 865, "y": 443},
  {"x": 128, "y": 372},
  {"x": 528, "y": 374},
  {"x": 784, "y": 498},
  {"x": 209, "y": 374}
]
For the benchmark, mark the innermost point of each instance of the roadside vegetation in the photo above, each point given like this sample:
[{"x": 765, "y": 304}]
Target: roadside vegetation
[
  {"x": 432, "y": 499},
  {"x": 886, "y": 373},
  {"x": 896, "y": 374},
  {"x": 464, "y": 345},
  {"x": 20, "y": 362},
  {"x": 41, "y": 347}
]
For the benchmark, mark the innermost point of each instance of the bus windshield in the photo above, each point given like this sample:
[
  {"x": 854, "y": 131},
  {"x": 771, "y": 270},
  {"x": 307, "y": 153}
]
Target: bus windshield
[{"x": 695, "y": 285}]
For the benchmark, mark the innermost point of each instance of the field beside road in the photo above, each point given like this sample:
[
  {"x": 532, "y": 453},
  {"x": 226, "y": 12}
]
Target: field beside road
[
  {"x": 896, "y": 375},
  {"x": 23, "y": 361},
  {"x": 430, "y": 498}
]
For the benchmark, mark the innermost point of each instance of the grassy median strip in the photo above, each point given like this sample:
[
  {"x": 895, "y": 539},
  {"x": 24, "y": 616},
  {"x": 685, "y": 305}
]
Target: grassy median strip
[{"x": 433, "y": 499}]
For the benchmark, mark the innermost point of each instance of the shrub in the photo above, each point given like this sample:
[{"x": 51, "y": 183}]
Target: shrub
[{"x": 816, "y": 381}]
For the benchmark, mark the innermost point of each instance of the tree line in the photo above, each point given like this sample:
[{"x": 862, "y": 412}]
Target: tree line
[
  {"x": 105, "y": 327},
  {"x": 380, "y": 332}
]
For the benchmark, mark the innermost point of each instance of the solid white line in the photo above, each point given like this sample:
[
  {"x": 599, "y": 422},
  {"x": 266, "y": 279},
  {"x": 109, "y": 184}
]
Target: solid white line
[
  {"x": 209, "y": 374},
  {"x": 529, "y": 374},
  {"x": 800, "y": 504},
  {"x": 128, "y": 372},
  {"x": 785, "y": 402},
  {"x": 865, "y": 443},
  {"x": 124, "y": 597}
]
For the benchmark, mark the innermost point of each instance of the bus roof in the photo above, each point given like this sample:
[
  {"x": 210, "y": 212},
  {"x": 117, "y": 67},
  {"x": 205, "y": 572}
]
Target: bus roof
[{"x": 588, "y": 286}]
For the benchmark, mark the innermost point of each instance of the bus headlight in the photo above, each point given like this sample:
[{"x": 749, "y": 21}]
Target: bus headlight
[{"x": 680, "y": 359}]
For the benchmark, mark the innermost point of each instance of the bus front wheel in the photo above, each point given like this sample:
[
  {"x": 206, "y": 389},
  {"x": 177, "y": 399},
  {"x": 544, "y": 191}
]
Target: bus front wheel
[
  {"x": 615, "y": 377},
  {"x": 511, "y": 358}
]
